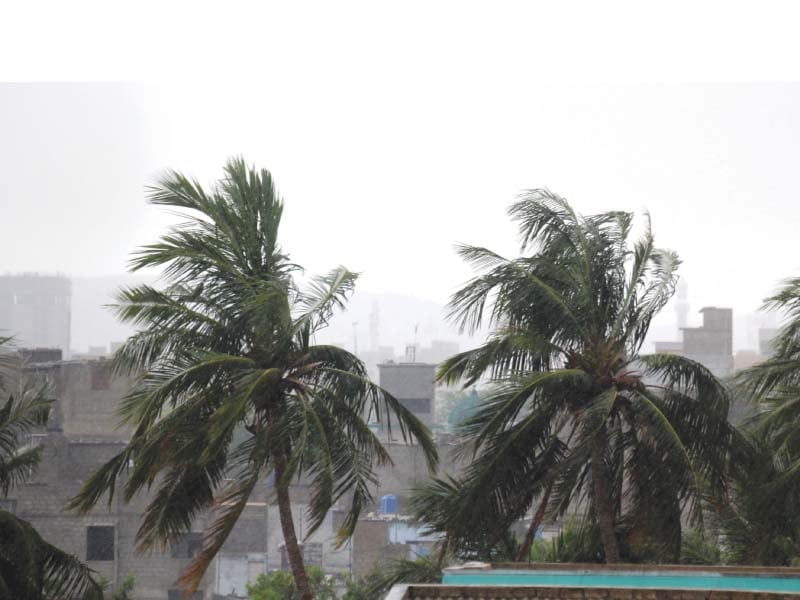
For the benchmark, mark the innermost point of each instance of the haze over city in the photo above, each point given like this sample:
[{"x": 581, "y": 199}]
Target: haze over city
[
  {"x": 83, "y": 154},
  {"x": 453, "y": 299}
]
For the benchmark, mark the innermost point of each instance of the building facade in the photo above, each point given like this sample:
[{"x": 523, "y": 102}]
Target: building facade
[
  {"x": 412, "y": 383},
  {"x": 712, "y": 343},
  {"x": 84, "y": 432},
  {"x": 35, "y": 309}
]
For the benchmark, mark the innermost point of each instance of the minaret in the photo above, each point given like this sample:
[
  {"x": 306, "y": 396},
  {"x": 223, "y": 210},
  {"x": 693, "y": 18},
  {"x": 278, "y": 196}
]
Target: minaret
[{"x": 682, "y": 306}]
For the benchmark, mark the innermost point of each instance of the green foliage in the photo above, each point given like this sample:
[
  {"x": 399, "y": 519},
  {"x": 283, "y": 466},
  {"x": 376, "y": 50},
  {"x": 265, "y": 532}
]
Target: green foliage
[
  {"x": 124, "y": 590},
  {"x": 759, "y": 518},
  {"x": 369, "y": 587},
  {"x": 423, "y": 569},
  {"x": 280, "y": 585},
  {"x": 698, "y": 549},
  {"x": 572, "y": 415},
  {"x": 575, "y": 543},
  {"x": 229, "y": 346}
]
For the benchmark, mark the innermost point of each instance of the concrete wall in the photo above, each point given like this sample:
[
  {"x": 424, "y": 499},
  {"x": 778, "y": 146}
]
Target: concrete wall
[
  {"x": 88, "y": 397},
  {"x": 429, "y": 592},
  {"x": 83, "y": 435},
  {"x": 412, "y": 384}
]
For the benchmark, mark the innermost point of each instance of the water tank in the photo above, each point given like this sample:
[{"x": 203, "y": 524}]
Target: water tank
[{"x": 389, "y": 504}]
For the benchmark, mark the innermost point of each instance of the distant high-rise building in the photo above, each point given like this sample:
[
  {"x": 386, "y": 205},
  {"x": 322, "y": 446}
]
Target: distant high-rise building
[
  {"x": 766, "y": 341},
  {"x": 35, "y": 309},
  {"x": 411, "y": 353}
]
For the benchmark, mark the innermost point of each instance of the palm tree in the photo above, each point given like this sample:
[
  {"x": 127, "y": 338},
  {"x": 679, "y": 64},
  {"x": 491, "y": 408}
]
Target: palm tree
[
  {"x": 775, "y": 383},
  {"x": 30, "y": 567},
  {"x": 234, "y": 386},
  {"x": 758, "y": 519},
  {"x": 578, "y": 416},
  {"x": 761, "y": 524}
]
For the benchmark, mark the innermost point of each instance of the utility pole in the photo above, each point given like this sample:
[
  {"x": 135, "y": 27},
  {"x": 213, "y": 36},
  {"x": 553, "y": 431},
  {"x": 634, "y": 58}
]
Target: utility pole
[{"x": 355, "y": 338}]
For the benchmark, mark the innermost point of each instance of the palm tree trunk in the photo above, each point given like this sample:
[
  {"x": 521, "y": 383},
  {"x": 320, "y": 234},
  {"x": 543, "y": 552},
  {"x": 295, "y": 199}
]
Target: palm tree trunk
[
  {"x": 443, "y": 552},
  {"x": 525, "y": 548},
  {"x": 603, "y": 506},
  {"x": 289, "y": 535}
]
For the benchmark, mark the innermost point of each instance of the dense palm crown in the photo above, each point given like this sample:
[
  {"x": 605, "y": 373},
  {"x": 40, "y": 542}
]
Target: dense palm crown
[
  {"x": 775, "y": 383},
  {"x": 578, "y": 418},
  {"x": 763, "y": 526},
  {"x": 234, "y": 386}
]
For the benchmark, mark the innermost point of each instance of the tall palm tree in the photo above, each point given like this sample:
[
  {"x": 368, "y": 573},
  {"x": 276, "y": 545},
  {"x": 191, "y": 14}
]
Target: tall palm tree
[
  {"x": 578, "y": 416},
  {"x": 761, "y": 524},
  {"x": 758, "y": 519},
  {"x": 775, "y": 383},
  {"x": 30, "y": 567},
  {"x": 229, "y": 347}
]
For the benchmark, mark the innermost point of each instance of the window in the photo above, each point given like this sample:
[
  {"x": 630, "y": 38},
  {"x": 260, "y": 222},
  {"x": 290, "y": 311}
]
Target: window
[
  {"x": 100, "y": 542},
  {"x": 8, "y": 505},
  {"x": 189, "y": 546}
]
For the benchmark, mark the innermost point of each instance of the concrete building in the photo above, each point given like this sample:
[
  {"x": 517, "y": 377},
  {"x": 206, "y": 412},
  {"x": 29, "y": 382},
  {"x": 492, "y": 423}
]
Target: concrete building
[
  {"x": 412, "y": 383},
  {"x": 35, "y": 309},
  {"x": 437, "y": 352},
  {"x": 712, "y": 343},
  {"x": 766, "y": 341},
  {"x": 84, "y": 433}
]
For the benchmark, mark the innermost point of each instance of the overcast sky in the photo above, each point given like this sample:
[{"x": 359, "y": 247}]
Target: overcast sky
[{"x": 395, "y": 132}]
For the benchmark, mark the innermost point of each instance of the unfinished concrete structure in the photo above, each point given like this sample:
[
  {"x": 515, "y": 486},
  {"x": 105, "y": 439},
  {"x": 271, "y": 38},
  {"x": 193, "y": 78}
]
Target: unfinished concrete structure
[
  {"x": 35, "y": 309},
  {"x": 84, "y": 433},
  {"x": 412, "y": 383}
]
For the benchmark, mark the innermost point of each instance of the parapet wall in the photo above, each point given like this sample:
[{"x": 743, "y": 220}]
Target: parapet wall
[{"x": 435, "y": 592}]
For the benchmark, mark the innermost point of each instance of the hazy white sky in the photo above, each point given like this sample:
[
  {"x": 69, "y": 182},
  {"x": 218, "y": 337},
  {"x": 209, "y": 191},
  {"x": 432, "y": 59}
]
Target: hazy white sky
[{"x": 395, "y": 130}]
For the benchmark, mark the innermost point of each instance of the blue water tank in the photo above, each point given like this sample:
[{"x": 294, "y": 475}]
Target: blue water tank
[{"x": 389, "y": 504}]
